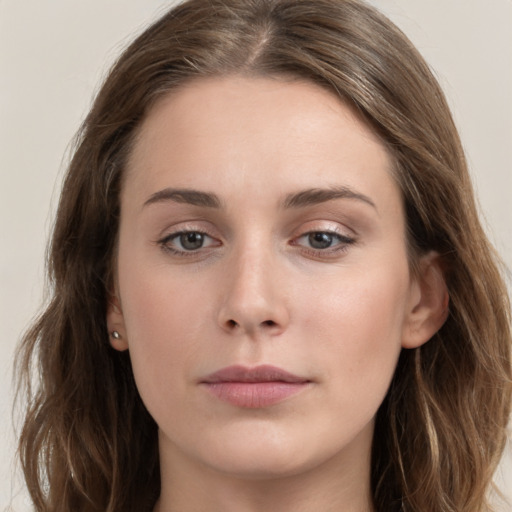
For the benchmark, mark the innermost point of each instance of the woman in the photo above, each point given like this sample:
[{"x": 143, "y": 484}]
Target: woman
[{"x": 271, "y": 286}]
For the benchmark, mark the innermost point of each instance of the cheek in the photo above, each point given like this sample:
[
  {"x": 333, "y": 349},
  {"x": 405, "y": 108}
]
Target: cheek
[
  {"x": 359, "y": 326},
  {"x": 163, "y": 327}
]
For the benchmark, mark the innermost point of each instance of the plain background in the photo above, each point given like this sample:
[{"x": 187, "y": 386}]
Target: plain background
[{"x": 53, "y": 55}]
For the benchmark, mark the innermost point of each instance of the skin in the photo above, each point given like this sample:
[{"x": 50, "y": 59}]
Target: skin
[{"x": 257, "y": 292}]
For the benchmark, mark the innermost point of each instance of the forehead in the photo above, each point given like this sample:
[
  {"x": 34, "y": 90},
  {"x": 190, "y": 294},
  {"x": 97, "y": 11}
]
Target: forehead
[{"x": 225, "y": 131}]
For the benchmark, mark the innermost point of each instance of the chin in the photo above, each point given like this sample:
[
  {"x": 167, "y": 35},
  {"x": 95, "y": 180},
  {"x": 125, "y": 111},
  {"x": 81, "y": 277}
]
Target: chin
[
  {"x": 267, "y": 467},
  {"x": 270, "y": 455}
]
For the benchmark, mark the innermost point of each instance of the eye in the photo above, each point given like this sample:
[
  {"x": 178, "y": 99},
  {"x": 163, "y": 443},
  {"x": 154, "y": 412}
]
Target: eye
[
  {"x": 324, "y": 241},
  {"x": 321, "y": 240},
  {"x": 191, "y": 241},
  {"x": 187, "y": 242}
]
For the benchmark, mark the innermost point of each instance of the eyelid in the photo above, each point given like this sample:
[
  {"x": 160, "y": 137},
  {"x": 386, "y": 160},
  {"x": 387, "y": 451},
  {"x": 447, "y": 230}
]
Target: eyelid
[
  {"x": 178, "y": 234},
  {"x": 344, "y": 235},
  {"x": 343, "y": 239},
  {"x": 325, "y": 226},
  {"x": 164, "y": 241},
  {"x": 336, "y": 234},
  {"x": 188, "y": 226}
]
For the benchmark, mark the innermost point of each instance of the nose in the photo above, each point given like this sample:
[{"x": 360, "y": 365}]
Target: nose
[{"x": 253, "y": 300}]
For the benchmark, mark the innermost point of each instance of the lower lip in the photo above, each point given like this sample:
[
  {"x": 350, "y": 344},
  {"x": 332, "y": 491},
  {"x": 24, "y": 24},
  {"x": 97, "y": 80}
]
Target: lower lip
[{"x": 255, "y": 395}]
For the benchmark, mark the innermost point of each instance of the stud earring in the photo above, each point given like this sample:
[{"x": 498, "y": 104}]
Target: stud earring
[{"x": 115, "y": 335}]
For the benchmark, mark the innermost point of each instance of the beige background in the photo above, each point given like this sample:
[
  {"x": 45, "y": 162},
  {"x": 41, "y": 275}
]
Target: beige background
[{"x": 52, "y": 56}]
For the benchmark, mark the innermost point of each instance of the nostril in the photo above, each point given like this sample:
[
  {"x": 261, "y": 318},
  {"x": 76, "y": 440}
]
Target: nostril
[
  {"x": 269, "y": 323},
  {"x": 232, "y": 323}
]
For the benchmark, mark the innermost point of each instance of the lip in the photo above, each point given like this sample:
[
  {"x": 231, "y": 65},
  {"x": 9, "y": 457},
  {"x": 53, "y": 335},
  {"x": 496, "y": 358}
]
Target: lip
[{"x": 254, "y": 388}]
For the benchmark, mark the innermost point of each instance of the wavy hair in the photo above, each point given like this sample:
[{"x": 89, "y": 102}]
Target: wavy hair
[{"x": 88, "y": 443}]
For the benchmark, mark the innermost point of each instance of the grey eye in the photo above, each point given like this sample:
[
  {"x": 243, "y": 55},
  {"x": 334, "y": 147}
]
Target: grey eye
[
  {"x": 326, "y": 242},
  {"x": 192, "y": 240},
  {"x": 320, "y": 240}
]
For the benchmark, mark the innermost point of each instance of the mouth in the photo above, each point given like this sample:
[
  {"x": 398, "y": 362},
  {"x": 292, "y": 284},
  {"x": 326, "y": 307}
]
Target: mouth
[{"x": 254, "y": 388}]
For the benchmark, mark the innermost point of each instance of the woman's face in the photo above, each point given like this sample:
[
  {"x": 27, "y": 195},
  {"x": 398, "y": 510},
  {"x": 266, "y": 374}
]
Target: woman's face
[{"x": 263, "y": 287}]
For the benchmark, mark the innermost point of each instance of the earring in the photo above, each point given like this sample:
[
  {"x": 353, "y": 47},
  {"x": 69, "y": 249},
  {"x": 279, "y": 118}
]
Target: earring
[{"x": 115, "y": 335}]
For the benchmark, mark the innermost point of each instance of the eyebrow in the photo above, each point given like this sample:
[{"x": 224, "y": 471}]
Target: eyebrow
[
  {"x": 186, "y": 196},
  {"x": 301, "y": 199},
  {"x": 314, "y": 196}
]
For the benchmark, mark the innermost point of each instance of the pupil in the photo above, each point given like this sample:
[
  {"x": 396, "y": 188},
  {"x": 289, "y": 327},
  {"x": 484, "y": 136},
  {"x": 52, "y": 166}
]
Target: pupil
[
  {"x": 320, "y": 240},
  {"x": 191, "y": 241}
]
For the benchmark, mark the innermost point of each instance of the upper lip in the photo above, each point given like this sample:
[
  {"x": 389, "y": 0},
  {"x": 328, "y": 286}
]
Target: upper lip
[{"x": 263, "y": 373}]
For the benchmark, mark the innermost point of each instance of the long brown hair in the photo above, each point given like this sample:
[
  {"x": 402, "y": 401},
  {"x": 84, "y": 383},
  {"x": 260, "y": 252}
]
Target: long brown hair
[{"x": 88, "y": 443}]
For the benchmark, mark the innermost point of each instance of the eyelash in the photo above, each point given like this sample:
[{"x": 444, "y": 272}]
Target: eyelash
[
  {"x": 343, "y": 242},
  {"x": 165, "y": 241}
]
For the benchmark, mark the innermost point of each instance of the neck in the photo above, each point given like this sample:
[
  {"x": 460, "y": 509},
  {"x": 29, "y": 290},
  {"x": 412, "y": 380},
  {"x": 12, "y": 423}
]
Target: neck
[{"x": 341, "y": 483}]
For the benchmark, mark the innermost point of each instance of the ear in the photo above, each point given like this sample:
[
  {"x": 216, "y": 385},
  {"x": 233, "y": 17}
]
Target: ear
[
  {"x": 115, "y": 323},
  {"x": 427, "y": 310}
]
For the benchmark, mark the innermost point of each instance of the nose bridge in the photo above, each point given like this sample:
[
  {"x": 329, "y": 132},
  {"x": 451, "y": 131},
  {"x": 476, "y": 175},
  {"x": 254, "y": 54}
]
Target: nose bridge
[{"x": 252, "y": 297}]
